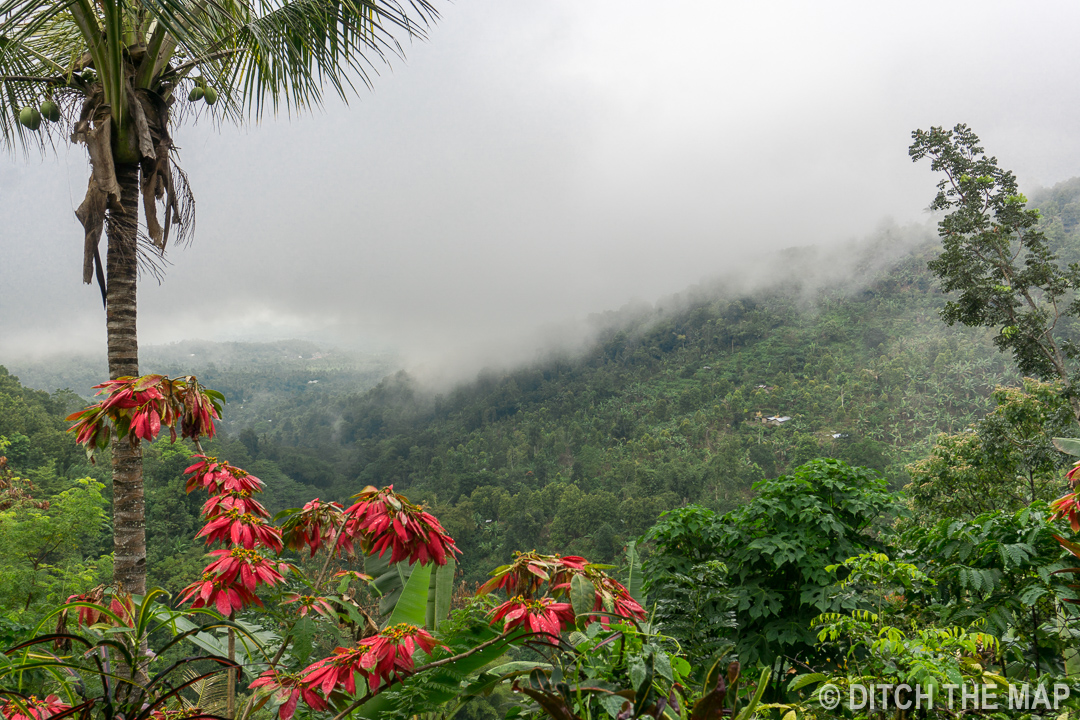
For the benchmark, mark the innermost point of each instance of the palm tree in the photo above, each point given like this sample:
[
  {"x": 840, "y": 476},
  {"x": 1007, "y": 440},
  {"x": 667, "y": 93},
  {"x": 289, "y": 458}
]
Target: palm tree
[{"x": 114, "y": 75}]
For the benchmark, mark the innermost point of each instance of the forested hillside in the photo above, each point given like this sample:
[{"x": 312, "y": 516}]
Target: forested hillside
[{"x": 672, "y": 408}]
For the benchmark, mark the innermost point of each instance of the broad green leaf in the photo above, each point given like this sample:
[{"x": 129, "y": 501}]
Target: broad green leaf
[
  {"x": 389, "y": 579},
  {"x": 303, "y": 638},
  {"x": 1069, "y": 446},
  {"x": 411, "y": 606},
  {"x": 582, "y": 595},
  {"x": 440, "y": 593},
  {"x": 612, "y": 704}
]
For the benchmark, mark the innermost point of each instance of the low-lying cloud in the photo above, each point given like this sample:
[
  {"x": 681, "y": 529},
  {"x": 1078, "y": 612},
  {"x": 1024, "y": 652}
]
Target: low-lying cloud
[{"x": 537, "y": 163}]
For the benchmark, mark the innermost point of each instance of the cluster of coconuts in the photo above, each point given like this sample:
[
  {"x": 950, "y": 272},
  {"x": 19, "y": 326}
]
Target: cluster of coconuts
[
  {"x": 31, "y": 116},
  {"x": 202, "y": 91}
]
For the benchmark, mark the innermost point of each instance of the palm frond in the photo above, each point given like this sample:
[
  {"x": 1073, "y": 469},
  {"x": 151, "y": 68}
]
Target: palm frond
[
  {"x": 36, "y": 61},
  {"x": 211, "y": 694},
  {"x": 272, "y": 53}
]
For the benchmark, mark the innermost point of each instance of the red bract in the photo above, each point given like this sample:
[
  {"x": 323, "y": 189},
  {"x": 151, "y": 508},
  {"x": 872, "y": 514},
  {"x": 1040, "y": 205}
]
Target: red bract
[
  {"x": 543, "y": 615},
  {"x": 240, "y": 501},
  {"x": 244, "y": 529},
  {"x": 218, "y": 476},
  {"x": 140, "y": 407},
  {"x": 353, "y": 574},
  {"x": 613, "y": 597},
  {"x": 31, "y": 708},
  {"x": 309, "y": 603},
  {"x": 384, "y": 520},
  {"x": 211, "y": 590},
  {"x": 288, "y": 688},
  {"x": 199, "y": 407},
  {"x": 529, "y": 571},
  {"x": 120, "y": 604},
  {"x": 251, "y": 568},
  {"x": 378, "y": 659},
  {"x": 315, "y": 525},
  {"x": 1067, "y": 506}
]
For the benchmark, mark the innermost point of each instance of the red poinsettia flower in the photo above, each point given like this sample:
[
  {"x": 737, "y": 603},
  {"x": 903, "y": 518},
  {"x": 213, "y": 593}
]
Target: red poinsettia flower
[
  {"x": 32, "y": 708},
  {"x": 613, "y": 597},
  {"x": 135, "y": 405},
  {"x": 241, "y": 501},
  {"x": 380, "y": 658},
  {"x": 543, "y": 615},
  {"x": 251, "y": 568},
  {"x": 385, "y": 520},
  {"x": 209, "y": 590},
  {"x": 288, "y": 688},
  {"x": 530, "y": 571},
  {"x": 218, "y": 476},
  {"x": 316, "y": 524},
  {"x": 90, "y": 428},
  {"x": 199, "y": 407},
  {"x": 1067, "y": 506},
  {"x": 309, "y": 603},
  {"x": 244, "y": 529}
]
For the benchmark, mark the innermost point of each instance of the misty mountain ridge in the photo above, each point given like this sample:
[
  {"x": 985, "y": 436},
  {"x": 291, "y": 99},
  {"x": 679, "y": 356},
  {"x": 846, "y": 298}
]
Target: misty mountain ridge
[{"x": 828, "y": 352}]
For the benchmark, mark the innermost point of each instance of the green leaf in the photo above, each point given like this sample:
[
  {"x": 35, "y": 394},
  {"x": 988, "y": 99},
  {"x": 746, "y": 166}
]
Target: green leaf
[
  {"x": 751, "y": 707},
  {"x": 612, "y": 704},
  {"x": 582, "y": 595},
  {"x": 803, "y": 680},
  {"x": 634, "y": 580},
  {"x": 662, "y": 662},
  {"x": 438, "y": 680},
  {"x": 444, "y": 592},
  {"x": 411, "y": 606},
  {"x": 1033, "y": 593},
  {"x": 488, "y": 679},
  {"x": 303, "y": 639},
  {"x": 1069, "y": 446},
  {"x": 388, "y": 580}
]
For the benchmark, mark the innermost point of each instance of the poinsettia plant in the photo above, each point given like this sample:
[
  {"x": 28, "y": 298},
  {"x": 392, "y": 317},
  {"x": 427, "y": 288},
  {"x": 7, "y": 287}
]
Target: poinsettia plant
[{"x": 137, "y": 408}]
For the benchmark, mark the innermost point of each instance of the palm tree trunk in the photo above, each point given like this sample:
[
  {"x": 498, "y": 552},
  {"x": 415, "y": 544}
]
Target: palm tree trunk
[{"x": 129, "y": 521}]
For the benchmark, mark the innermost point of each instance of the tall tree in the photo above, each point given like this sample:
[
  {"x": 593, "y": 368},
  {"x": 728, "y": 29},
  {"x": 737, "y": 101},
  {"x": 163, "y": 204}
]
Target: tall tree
[
  {"x": 996, "y": 257},
  {"x": 115, "y": 75}
]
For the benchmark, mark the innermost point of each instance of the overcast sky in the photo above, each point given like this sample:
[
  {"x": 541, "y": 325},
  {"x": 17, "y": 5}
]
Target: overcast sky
[{"x": 534, "y": 162}]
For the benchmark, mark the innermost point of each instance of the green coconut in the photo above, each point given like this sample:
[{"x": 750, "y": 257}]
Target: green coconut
[
  {"x": 50, "y": 111},
  {"x": 30, "y": 117},
  {"x": 210, "y": 96},
  {"x": 195, "y": 94}
]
